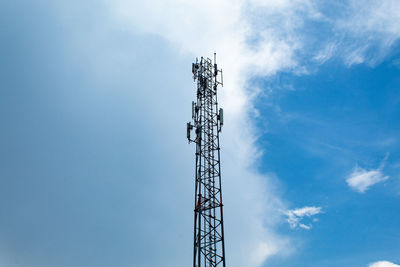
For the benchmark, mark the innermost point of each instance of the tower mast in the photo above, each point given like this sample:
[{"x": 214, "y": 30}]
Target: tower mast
[{"x": 208, "y": 247}]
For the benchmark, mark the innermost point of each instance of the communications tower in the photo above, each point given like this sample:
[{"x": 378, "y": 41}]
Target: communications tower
[{"x": 207, "y": 121}]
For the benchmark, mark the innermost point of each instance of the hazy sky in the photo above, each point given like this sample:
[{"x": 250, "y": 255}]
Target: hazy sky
[{"x": 95, "y": 169}]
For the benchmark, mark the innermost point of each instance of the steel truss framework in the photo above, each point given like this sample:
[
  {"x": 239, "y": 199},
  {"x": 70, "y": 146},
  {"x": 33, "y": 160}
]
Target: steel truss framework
[{"x": 209, "y": 248}]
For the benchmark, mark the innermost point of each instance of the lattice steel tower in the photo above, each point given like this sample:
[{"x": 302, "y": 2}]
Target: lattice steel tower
[{"x": 209, "y": 248}]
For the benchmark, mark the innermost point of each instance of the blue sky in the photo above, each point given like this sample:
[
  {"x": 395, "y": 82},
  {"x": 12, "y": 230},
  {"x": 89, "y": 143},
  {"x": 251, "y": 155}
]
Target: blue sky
[
  {"x": 95, "y": 169},
  {"x": 345, "y": 118}
]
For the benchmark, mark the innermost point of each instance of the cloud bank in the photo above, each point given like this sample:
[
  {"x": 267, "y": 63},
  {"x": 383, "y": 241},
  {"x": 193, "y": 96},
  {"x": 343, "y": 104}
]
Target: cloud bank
[{"x": 197, "y": 29}]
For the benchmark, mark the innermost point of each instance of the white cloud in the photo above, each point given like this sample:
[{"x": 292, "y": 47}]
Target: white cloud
[
  {"x": 295, "y": 216},
  {"x": 378, "y": 17},
  {"x": 383, "y": 264},
  {"x": 361, "y": 179}
]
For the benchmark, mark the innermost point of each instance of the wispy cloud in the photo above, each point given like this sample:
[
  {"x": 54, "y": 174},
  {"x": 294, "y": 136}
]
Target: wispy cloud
[
  {"x": 362, "y": 32},
  {"x": 326, "y": 53},
  {"x": 371, "y": 26},
  {"x": 361, "y": 179},
  {"x": 383, "y": 264},
  {"x": 296, "y": 216}
]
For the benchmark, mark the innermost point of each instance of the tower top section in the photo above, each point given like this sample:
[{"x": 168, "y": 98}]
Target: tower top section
[
  {"x": 208, "y": 77},
  {"x": 205, "y": 68}
]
